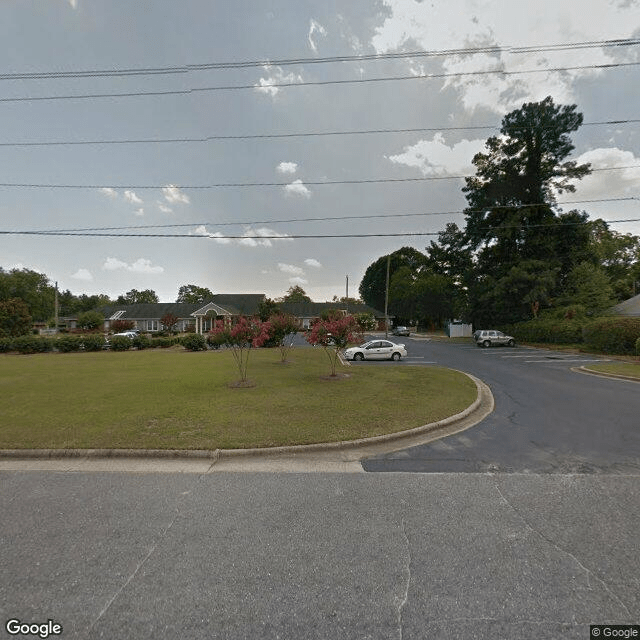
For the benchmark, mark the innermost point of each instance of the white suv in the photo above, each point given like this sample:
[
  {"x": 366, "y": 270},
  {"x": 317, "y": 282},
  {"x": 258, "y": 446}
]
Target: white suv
[{"x": 491, "y": 337}]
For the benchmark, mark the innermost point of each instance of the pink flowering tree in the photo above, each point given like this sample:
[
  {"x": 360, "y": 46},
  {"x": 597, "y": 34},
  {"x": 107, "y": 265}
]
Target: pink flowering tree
[
  {"x": 283, "y": 328},
  {"x": 333, "y": 335},
  {"x": 240, "y": 337}
]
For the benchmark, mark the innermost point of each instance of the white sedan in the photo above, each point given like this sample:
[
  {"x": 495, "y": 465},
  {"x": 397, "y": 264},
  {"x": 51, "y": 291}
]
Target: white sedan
[{"x": 376, "y": 350}]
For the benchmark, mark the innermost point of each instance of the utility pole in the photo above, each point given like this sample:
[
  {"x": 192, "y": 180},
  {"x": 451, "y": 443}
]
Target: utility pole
[
  {"x": 56, "y": 309},
  {"x": 386, "y": 300}
]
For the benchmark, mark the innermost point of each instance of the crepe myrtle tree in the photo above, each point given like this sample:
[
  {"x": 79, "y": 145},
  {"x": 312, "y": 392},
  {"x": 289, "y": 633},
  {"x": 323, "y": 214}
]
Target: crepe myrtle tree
[
  {"x": 333, "y": 335},
  {"x": 240, "y": 337},
  {"x": 282, "y": 329}
]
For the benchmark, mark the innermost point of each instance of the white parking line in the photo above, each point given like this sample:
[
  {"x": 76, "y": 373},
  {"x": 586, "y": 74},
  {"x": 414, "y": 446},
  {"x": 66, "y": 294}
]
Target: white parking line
[{"x": 560, "y": 360}]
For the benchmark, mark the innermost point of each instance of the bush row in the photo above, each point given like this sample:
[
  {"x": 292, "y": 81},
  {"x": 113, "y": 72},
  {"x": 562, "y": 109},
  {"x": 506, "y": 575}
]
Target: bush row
[
  {"x": 616, "y": 336},
  {"x": 68, "y": 343}
]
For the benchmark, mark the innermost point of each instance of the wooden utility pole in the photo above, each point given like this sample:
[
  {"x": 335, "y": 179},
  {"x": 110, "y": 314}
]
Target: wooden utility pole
[{"x": 386, "y": 300}]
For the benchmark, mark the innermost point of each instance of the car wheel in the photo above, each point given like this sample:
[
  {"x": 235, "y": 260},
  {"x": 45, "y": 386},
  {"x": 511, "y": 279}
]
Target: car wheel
[
  {"x": 358, "y": 356},
  {"x": 511, "y": 343},
  {"x": 395, "y": 356},
  {"x": 486, "y": 343}
]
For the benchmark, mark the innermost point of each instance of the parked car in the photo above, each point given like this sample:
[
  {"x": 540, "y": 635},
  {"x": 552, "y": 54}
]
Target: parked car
[
  {"x": 401, "y": 331},
  {"x": 129, "y": 333},
  {"x": 491, "y": 337},
  {"x": 376, "y": 350}
]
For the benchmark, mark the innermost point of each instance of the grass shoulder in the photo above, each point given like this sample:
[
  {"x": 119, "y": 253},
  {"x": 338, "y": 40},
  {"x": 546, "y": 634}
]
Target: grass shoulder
[{"x": 165, "y": 399}]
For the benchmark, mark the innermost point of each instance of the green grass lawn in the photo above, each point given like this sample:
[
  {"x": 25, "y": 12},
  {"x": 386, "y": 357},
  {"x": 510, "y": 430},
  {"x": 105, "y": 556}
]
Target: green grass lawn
[
  {"x": 618, "y": 368},
  {"x": 175, "y": 399}
]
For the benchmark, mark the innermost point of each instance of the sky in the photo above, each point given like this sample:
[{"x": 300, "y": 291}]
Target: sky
[{"x": 228, "y": 177}]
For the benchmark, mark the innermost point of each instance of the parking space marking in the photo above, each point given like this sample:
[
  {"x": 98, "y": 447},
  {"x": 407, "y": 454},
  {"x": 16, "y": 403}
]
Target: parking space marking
[{"x": 561, "y": 360}]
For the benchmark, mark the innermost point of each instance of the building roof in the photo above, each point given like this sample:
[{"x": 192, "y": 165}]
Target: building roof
[
  {"x": 235, "y": 303},
  {"x": 315, "y": 309},
  {"x": 630, "y": 307}
]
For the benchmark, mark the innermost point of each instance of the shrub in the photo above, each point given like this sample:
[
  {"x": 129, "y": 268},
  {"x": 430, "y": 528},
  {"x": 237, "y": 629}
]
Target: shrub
[
  {"x": 68, "y": 344},
  {"x": 162, "y": 342},
  {"x": 638, "y": 347},
  {"x": 90, "y": 320},
  {"x": 93, "y": 342},
  {"x": 141, "y": 341},
  {"x": 6, "y": 345},
  {"x": 120, "y": 343},
  {"x": 32, "y": 344},
  {"x": 118, "y": 326},
  {"x": 613, "y": 335},
  {"x": 551, "y": 330},
  {"x": 194, "y": 342}
]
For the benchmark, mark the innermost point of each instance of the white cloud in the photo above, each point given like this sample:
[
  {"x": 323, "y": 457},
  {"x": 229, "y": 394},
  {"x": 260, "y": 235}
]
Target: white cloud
[
  {"x": 74, "y": 4},
  {"x": 290, "y": 268},
  {"x": 83, "y": 274},
  {"x": 607, "y": 184},
  {"x": 217, "y": 236},
  {"x": 173, "y": 195},
  {"x": 297, "y": 188},
  {"x": 163, "y": 207},
  {"x": 435, "y": 157},
  {"x": 287, "y": 167},
  {"x": 139, "y": 212},
  {"x": 130, "y": 196},
  {"x": 312, "y": 262},
  {"x": 109, "y": 192},
  {"x": 298, "y": 280},
  {"x": 315, "y": 27},
  {"x": 474, "y": 23},
  {"x": 261, "y": 237},
  {"x": 277, "y": 76},
  {"x": 141, "y": 265}
]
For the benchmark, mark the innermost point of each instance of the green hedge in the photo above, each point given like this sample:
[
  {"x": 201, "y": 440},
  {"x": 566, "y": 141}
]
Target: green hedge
[
  {"x": 69, "y": 343},
  {"x": 194, "y": 342},
  {"x": 93, "y": 342},
  {"x": 617, "y": 336},
  {"x": 142, "y": 341},
  {"x": 549, "y": 330},
  {"x": 32, "y": 344},
  {"x": 120, "y": 343},
  {"x": 638, "y": 347},
  {"x": 6, "y": 345}
]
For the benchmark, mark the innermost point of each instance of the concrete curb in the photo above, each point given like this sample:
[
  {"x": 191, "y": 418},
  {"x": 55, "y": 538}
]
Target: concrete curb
[
  {"x": 474, "y": 413},
  {"x": 602, "y": 374}
]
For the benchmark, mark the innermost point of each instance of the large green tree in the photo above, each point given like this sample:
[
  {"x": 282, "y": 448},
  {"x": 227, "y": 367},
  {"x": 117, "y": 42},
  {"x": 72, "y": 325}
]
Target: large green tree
[
  {"x": 296, "y": 293},
  {"x": 138, "y": 297},
  {"x": 512, "y": 220},
  {"x": 374, "y": 282},
  {"x": 32, "y": 287},
  {"x": 192, "y": 293}
]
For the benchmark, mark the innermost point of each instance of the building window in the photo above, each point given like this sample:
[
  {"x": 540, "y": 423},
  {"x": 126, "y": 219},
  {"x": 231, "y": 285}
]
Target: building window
[{"x": 152, "y": 325}]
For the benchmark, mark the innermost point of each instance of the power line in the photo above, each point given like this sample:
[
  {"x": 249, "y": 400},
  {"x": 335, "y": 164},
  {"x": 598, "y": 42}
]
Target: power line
[
  {"x": 141, "y": 187},
  {"x": 432, "y": 76},
  {"x": 290, "y": 236},
  {"x": 330, "y": 218},
  {"x": 208, "y": 66},
  {"x": 263, "y": 136}
]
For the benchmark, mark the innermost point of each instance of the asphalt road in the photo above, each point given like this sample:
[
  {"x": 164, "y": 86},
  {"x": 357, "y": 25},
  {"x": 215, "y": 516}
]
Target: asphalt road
[
  {"x": 547, "y": 419},
  {"x": 296, "y": 556}
]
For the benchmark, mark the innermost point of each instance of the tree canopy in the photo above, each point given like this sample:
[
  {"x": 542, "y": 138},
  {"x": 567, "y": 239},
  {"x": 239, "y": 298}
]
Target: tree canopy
[
  {"x": 193, "y": 294},
  {"x": 147, "y": 296},
  {"x": 296, "y": 293}
]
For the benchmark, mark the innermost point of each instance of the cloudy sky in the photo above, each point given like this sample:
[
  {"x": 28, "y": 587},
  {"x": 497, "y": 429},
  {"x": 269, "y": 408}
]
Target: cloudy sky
[{"x": 206, "y": 153}]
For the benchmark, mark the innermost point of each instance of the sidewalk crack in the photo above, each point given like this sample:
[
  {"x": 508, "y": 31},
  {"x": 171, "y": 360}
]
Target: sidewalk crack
[
  {"x": 402, "y": 600},
  {"x": 588, "y": 572},
  {"x": 159, "y": 538}
]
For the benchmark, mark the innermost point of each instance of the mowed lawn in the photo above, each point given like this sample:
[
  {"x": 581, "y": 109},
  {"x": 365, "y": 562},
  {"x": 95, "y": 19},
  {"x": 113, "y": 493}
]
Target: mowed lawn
[
  {"x": 618, "y": 368},
  {"x": 175, "y": 399}
]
